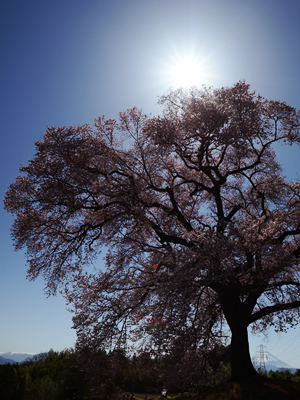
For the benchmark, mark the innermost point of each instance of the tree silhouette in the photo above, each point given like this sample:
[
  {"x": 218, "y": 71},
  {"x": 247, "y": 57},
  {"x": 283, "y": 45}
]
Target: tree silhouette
[{"x": 199, "y": 227}]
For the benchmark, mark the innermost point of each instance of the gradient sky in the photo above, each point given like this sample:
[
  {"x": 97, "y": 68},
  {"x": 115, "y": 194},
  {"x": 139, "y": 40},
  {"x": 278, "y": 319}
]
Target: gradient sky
[{"x": 64, "y": 62}]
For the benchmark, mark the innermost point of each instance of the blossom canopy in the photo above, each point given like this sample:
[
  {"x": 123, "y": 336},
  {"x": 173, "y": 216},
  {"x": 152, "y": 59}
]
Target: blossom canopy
[{"x": 198, "y": 222}]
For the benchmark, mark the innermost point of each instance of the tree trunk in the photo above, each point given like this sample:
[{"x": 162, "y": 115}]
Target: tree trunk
[
  {"x": 241, "y": 364},
  {"x": 235, "y": 314}
]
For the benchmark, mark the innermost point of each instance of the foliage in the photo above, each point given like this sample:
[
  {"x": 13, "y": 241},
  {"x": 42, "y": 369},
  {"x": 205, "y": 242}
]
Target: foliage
[
  {"x": 285, "y": 374},
  {"x": 89, "y": 375},
  {"x": 50, "y": 376},
  {"x": 194, "y": 371},
  {"x": 197, "y": 193}
]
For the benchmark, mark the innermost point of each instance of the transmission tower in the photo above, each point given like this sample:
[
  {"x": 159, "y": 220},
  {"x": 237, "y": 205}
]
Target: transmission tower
[{"x": 260, "y": 355}]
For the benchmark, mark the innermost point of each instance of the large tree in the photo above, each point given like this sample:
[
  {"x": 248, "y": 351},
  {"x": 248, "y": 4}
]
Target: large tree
[{"x": 199, "y": 228}]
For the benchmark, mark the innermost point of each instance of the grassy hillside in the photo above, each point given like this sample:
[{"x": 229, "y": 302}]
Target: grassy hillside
[{"x": 254, "y": 389}]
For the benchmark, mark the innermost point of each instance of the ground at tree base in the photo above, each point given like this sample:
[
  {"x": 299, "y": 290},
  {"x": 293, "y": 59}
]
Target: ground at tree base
[{"x": 253, "y": 389}]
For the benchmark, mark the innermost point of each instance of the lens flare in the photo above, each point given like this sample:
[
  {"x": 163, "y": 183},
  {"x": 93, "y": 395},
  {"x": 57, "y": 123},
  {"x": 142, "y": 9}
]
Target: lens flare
[{"x": 186, "y": 72}]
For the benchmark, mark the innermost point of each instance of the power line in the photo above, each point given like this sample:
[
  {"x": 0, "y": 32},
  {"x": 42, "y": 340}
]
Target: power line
[{"x": 289, "y": 344}]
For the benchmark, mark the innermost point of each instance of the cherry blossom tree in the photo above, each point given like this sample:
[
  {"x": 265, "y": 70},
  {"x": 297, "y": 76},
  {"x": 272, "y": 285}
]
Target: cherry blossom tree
[{"x": 198, "y": 227}]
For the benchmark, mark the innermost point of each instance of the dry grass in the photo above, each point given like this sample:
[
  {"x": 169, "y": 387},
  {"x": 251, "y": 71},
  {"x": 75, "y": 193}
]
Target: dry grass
[{"x": 253, "y": 389}]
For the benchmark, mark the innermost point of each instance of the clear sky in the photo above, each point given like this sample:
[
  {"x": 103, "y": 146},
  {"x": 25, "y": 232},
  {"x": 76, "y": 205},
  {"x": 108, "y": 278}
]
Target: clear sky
[{"x": 64, "y": 62}]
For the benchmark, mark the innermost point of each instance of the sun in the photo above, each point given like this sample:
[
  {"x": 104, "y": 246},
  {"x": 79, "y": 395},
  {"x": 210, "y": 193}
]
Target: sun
[
  {"x": 186, "y": 72},
  {"x": 186, "y": 68}
]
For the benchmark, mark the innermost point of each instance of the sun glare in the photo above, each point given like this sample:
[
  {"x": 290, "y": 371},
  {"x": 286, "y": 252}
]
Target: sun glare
[
  {"x": 187, "y": 68},
  {"x": 186, "y": 71}
]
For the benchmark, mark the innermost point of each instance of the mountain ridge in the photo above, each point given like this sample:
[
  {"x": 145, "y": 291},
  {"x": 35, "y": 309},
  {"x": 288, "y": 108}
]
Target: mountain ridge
[
  {"x": 4, "y": 361},
  {"x": 13, "y": 358},
  {"x": 267, "y": 361}
]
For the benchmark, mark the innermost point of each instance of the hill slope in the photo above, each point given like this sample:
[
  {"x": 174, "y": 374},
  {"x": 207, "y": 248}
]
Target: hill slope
[{"x": 253, "y": 389}]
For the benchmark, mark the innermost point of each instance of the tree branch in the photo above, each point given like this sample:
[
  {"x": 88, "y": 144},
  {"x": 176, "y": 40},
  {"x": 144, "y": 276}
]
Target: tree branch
[{"x": 272, "y": 309}]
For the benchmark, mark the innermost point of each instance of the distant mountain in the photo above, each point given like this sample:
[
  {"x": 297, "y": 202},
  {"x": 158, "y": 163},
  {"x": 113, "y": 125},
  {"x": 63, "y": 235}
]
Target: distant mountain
[
  {"x": 6, "y": 361},
  {"x": 270, "y": 362},
  {"x": 14, "y": 357}
]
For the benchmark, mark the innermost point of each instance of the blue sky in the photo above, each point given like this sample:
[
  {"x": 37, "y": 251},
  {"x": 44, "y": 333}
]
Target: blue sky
[{"x": 64, "y": 62}]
